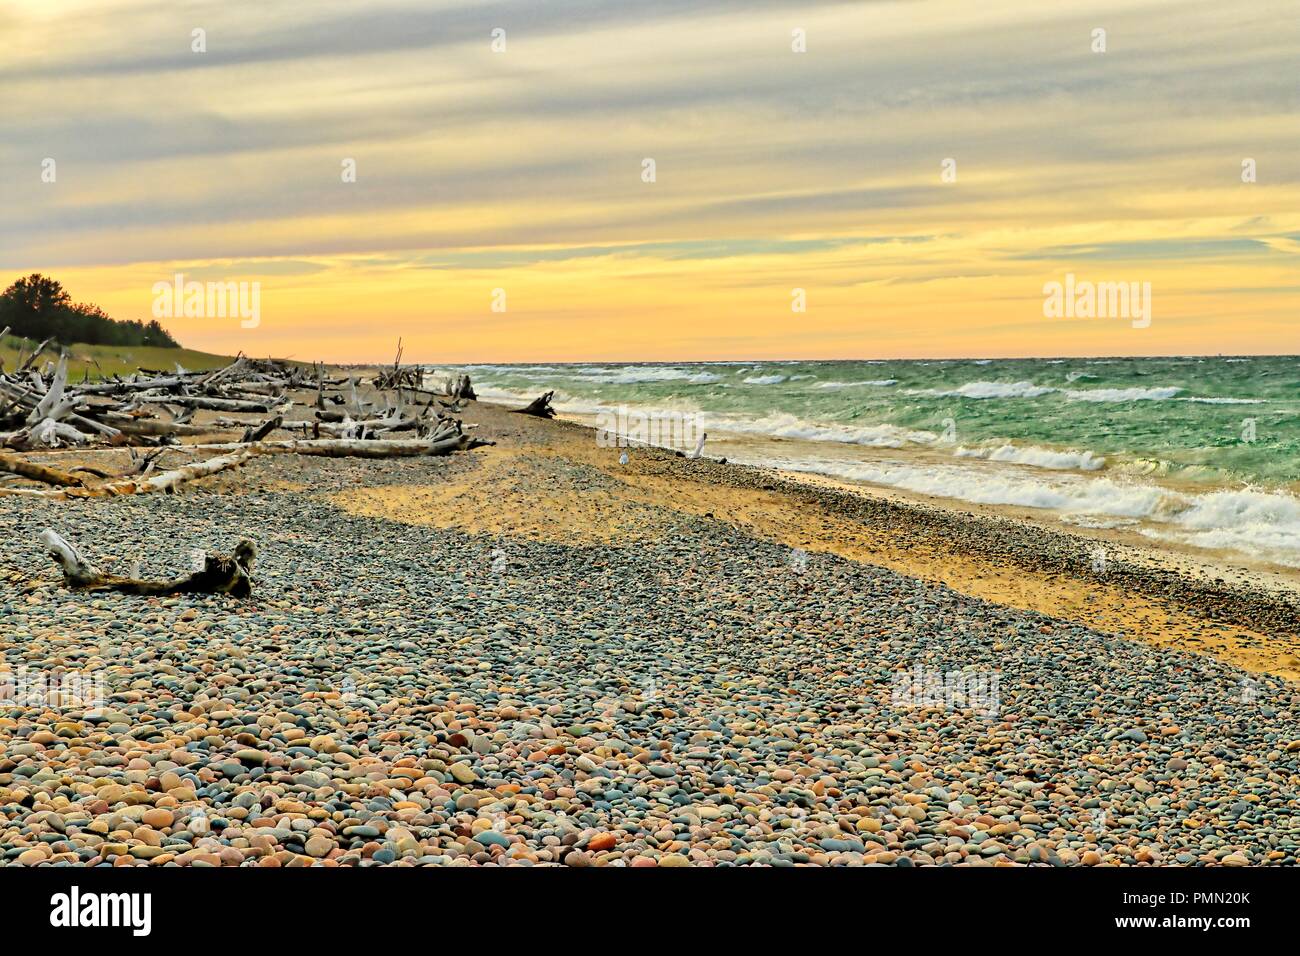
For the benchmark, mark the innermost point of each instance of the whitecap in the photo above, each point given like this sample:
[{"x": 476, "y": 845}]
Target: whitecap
[
  {"x": 986, "y": 390},
  {"x": 1035, "y": 456},
  {"x": 881, "y": 382}
]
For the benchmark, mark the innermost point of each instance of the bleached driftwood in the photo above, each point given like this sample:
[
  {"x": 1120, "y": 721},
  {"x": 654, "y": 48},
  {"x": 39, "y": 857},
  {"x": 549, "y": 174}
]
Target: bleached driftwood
[
  {"x": 53, "y": 405},
  {"x": 211, "y": 404},
  {"x": 461, "y": 389},
  {"x": 349, "y": 447},
  {"x": 77, "y": 571},
  {"x": 221, "y": 574},
  {"x": 49, "y": 433},
  {"x": 238, "y": 453},
  {"x": 166, "y": 481},
  {"x": 24, "y": 397},
  {"x": 130, "y": 425},
  {"x": 42, "y": 408}
]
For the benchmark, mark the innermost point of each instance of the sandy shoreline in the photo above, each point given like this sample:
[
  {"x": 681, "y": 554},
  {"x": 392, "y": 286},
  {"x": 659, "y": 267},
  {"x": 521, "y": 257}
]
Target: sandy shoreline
[
  {"x": 1161, "y": 596},
  {"x": 1165, "y": 595}
]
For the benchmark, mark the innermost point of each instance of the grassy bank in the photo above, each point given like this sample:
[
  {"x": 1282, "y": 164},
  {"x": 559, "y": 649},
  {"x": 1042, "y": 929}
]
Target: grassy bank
[{"x": 107, "y": 360}]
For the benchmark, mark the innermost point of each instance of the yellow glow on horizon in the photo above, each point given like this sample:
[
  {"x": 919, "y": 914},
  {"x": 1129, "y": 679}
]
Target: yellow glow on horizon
[{"x": 775, "y": 171}]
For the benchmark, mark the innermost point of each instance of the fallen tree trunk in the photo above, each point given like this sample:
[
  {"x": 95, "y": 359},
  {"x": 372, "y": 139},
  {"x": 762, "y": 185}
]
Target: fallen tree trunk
[
  {"x": 153, "y": 426},
  {"x": 221, "y": 574},
  {"x": 121, "y": 387},
  {"x": 166, "y": 481},
  {"x": 238, "y": 453},
  {"x": 350, "y": 447},
  {"x": 37, "y": 472},
  {"x": 211, "y": 404}
]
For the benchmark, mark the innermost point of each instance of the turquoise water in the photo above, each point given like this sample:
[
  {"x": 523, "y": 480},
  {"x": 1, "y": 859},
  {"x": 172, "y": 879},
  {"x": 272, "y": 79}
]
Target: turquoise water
[
  {"x": 1202, "y": 452},
  {"x": 1204, "y": 419}
]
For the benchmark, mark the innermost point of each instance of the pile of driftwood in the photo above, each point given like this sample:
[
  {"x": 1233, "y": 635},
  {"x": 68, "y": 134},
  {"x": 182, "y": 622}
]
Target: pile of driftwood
[
  {"x": 410, "y": 378},
  {"x": 151, "y": 411},
  {"x": 42, "y": 409}
]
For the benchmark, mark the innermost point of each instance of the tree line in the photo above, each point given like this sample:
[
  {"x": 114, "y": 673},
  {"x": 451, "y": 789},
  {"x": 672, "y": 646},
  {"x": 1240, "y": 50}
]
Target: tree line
[{"x": 38, "y": 307}]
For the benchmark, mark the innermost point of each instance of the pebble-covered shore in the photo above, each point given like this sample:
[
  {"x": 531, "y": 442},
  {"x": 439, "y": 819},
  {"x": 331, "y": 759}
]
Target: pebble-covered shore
[{"x": 399, "y": 694}]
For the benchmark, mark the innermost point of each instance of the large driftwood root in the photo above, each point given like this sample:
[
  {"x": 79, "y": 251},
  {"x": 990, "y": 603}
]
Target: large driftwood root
[
  {"x": 539, "y": 407},
  {"x": 221, "y": 574}
]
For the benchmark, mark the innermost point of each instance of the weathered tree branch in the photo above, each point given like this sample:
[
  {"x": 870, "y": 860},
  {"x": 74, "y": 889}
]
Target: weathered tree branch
[{"x": 221, "y": 574}]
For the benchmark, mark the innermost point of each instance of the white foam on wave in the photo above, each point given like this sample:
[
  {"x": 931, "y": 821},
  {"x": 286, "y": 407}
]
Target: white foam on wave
[
  {"x": 792, "y": 427},
  {"x": 513, "y": 369},
  {"x": 638, "y": 374},
  {"x": 764, "y": 379},
  {"x": 1252, "y": 522},
  {"x": 1063, "y": 493},
  {"x": 1225, "y": 401},
  {"x": 1036, "y": 456},
  {"x": 1098, "y": 522},
  {"x": 1258, "y": 524},
  {"x": 880, "y": 382},
  {"x": 1025, "y": 389},
  {"x": 1156, "y": 394},
  {"x": 986, "y": 390},
  {"x": 578, "y": 406}
]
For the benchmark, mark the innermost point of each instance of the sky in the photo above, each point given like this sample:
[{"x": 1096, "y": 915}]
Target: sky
[{"x": 919, "y": 171}]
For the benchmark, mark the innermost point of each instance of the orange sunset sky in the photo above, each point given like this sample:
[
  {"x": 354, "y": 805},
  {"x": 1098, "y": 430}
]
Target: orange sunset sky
[{"x": 520, "y": 169}]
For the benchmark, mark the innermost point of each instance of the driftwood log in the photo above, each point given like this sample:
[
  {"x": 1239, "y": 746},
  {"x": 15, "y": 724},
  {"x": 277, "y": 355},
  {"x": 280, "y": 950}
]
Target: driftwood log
[
  {"x": 221, "y": 574},
  {"x": 36, "y": 472},
  {"x": 42, "y": 410},
  {"x": 539, "y": 407},
  {"x": 252, "y": 434},
  {"x": 238, "y": 453}
]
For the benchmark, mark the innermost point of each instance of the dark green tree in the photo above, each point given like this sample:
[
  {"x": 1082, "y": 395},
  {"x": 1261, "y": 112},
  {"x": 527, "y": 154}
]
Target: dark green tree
[{"x": 38, "y": 307}]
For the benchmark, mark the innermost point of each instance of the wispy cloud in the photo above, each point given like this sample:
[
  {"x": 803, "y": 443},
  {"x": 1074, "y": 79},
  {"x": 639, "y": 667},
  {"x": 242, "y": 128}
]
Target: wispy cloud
[{"x": 774, "y": 169}]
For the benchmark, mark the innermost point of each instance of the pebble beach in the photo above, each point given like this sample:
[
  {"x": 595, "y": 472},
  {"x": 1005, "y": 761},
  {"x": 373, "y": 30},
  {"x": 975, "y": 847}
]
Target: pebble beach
[{"x": 506, "y": 658}]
